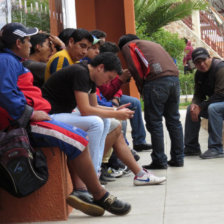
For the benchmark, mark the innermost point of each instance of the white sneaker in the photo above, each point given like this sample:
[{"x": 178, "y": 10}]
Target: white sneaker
[{"x": 148, "y": 179}]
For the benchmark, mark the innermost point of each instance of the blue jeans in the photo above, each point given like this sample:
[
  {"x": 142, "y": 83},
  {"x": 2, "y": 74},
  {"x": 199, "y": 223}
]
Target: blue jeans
[
  {"x": 97, "y": 129},
  {"x": 161, "y": 98},
  {"x": 215, "y": 116},
  {"x": 138, "y": 129}
]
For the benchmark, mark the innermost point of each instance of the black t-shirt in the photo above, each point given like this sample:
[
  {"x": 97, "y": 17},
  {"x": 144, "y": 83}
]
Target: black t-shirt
[{"x": 59, "y": 88}]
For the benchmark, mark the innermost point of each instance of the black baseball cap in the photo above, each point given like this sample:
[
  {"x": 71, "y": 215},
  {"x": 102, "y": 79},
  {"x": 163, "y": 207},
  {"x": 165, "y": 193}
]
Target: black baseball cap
[
  {"x": 200, "y": 53},
  {"x": 12, "y": 31}
]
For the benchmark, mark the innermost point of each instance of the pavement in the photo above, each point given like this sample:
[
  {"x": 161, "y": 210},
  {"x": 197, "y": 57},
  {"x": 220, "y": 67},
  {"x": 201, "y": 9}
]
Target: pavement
[{"x": 192, "y": 194}]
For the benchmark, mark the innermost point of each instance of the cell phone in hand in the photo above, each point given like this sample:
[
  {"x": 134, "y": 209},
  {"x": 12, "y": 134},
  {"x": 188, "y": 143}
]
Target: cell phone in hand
[{"x": 133, "y": 108}]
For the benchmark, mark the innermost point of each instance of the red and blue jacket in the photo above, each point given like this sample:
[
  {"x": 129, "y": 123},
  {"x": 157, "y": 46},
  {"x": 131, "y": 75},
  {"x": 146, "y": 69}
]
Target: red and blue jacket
[{"x": 14, "y": 104}]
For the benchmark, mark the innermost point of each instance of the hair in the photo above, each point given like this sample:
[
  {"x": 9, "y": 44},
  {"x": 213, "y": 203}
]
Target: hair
[
  {"x": 98, "y": 33},
  {"x": 39, "y": 38},
  {"x": 126, "y": 38},
  {"x": 66, "y": 34},
  {"x": 9, "y": 43},
  {"x": 110, "y": 61},
  {"x": 80, "y": 34},
  {"x": 109, "y": 47},
  {"x": 185, "y": 40}
]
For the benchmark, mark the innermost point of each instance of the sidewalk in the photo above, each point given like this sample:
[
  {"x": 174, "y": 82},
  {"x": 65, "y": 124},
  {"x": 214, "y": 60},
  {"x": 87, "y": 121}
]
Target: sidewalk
[{"x": 192, "y": 194}]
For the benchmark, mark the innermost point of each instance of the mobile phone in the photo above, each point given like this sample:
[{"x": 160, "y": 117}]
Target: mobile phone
[{"x": 133, "y": 108}]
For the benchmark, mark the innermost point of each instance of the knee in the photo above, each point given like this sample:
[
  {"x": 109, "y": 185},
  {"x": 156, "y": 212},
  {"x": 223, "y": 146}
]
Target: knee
[
  {"x": 98, "y": 123},
  {"x": 212, "y": 109}
]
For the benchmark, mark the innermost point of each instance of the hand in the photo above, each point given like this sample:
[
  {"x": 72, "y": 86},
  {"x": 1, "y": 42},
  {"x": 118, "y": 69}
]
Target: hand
[
  {"x": 195, "y": 111},
  {"x": 125, "y": 76},
  {"x": 39, "y": 115},
  {"x": 124, "y": 106},
  {"x": 125, "y": 113},
  {"x": 57, "y": 41}
]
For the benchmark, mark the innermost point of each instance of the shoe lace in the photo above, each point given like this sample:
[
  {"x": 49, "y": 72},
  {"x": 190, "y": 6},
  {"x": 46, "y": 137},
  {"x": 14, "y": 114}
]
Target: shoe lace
[{"x": 110, "y": 199}]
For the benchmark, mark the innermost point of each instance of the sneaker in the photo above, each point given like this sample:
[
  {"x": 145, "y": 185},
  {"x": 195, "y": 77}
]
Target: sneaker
[
  {"x": 126, "y": 171},
  {"x": 192, "y": 152},
  {"x": 83, "y": 201},
  {"x": 175, "y": 163},
  {"x": 135, "y": 154},
  {"x": 115, "y": 173},
  {"x": 106, "y": 175},
  {"x": 116, "y": 164},
  {"x": 155, "y": 166},
  {"x": 113, "y": 205},
  {"x": 212, "y": 154},
  {"x": 148, "y": 179},
  {"x": 142, "y": 147}
]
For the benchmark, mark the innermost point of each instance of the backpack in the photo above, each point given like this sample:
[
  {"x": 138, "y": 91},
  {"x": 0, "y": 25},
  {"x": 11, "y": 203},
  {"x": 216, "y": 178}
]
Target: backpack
[{"x": 22, "y": 169}]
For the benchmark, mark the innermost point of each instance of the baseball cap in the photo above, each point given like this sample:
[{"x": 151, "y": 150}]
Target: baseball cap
[
  {"x": 95, "y": 40},
  {"x": 12, "y": 31},
  {"x": 200, "y": 53}
]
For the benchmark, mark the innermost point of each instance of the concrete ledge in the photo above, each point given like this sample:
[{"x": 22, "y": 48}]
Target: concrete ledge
[
  {"x": 204, "y": 124},
  {"x": 47, "y": 203}
]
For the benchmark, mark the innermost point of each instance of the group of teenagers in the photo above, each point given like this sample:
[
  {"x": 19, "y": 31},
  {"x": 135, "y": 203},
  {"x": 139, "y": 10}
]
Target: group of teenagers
[{"x": 67, "y": 90}]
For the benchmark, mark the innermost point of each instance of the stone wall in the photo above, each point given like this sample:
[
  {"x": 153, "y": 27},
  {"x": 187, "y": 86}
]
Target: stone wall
[{"x": 183, "y": 30}]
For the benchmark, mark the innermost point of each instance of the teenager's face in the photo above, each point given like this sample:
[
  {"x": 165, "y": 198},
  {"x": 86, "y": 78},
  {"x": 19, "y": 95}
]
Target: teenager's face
[
  {"x": 93, "y": 51},
  {"x": 79, "y": 49},
  {"x": 45, "y": 51},
  {"x": 203, "y": 65},
  {"x": 24, "y": 47},
  {"x": 103, "y": 77}
]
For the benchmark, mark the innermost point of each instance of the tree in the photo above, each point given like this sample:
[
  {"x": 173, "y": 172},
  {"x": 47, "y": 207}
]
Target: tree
[{"x": 154, "y": 14}]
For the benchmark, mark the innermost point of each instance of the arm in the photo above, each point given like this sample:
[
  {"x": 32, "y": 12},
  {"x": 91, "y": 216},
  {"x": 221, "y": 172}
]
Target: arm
[{"x": 91, "y": 108}]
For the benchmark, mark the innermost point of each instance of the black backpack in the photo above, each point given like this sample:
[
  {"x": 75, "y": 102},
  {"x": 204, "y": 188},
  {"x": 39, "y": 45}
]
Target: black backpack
[{"x": 22, "y": 169}]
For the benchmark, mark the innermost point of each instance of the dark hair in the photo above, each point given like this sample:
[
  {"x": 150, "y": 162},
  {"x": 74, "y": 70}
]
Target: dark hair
[
  {"x": 80, "y": 34},
  {"x": 185, "y": 40},
  {"x": 109, "y": 47},
  {"x": 66, "y": 34},
  {"x": 39, "y": 38},
  {"x": 126, "y": 38},
  {"x": 98, "y": 33},
  {"x": 110, "y": 61}
]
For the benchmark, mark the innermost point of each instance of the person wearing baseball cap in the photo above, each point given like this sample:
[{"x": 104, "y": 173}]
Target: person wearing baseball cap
[
  {"x": 16, "y": 36},
  {"x": 207, "y": 102}
]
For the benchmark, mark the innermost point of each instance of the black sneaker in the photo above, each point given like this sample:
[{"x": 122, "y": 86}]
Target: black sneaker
[
  {"x": 155, "y": 166},
  {"x": 192, "y": 152},
  {"x": 175, "y": 163},
  {"x": 83, "y": 201},
  {"x": 212, "y": 154},
  {"x": 142, "y": 147},
  {"x": 113, "y": 205}
]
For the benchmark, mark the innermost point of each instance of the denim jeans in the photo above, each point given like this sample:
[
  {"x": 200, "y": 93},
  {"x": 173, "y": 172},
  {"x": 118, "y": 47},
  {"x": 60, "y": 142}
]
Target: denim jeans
[
  {"x": 161, "y": 98},
  {"x": 97, "y": 129},
  {"x": 215, "y": 116},
  {"x": 138, "y": 129}
]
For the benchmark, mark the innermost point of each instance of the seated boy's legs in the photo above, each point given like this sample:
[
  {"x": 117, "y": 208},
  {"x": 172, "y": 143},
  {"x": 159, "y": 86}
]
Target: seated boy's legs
[
  {"x": 215, "y": 126},
  {"x": 138, "y": 129},
  {"x": 96, "y": 128},
  {"x": 73, "y": 143}
]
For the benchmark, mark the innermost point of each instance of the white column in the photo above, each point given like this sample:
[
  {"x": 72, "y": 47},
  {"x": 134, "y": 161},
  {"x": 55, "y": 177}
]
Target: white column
[
  {"x": 196, "y": 23},
  {"x": 69, "y": 14}
]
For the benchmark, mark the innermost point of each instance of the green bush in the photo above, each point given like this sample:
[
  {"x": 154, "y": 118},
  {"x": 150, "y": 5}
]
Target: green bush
[{"x": 186, "y": 83}]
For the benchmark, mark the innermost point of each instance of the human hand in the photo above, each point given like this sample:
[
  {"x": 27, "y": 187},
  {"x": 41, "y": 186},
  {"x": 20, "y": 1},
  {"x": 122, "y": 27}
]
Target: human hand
[
  {"x": 194, "y": 111},
  {"x": 57, "y": 41},
  {"x": 39, "y": 115},
  {"x": 124, "y": 113},
  {"x": 123, "y": 106},
  {"x": 125, "y": 76}
]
